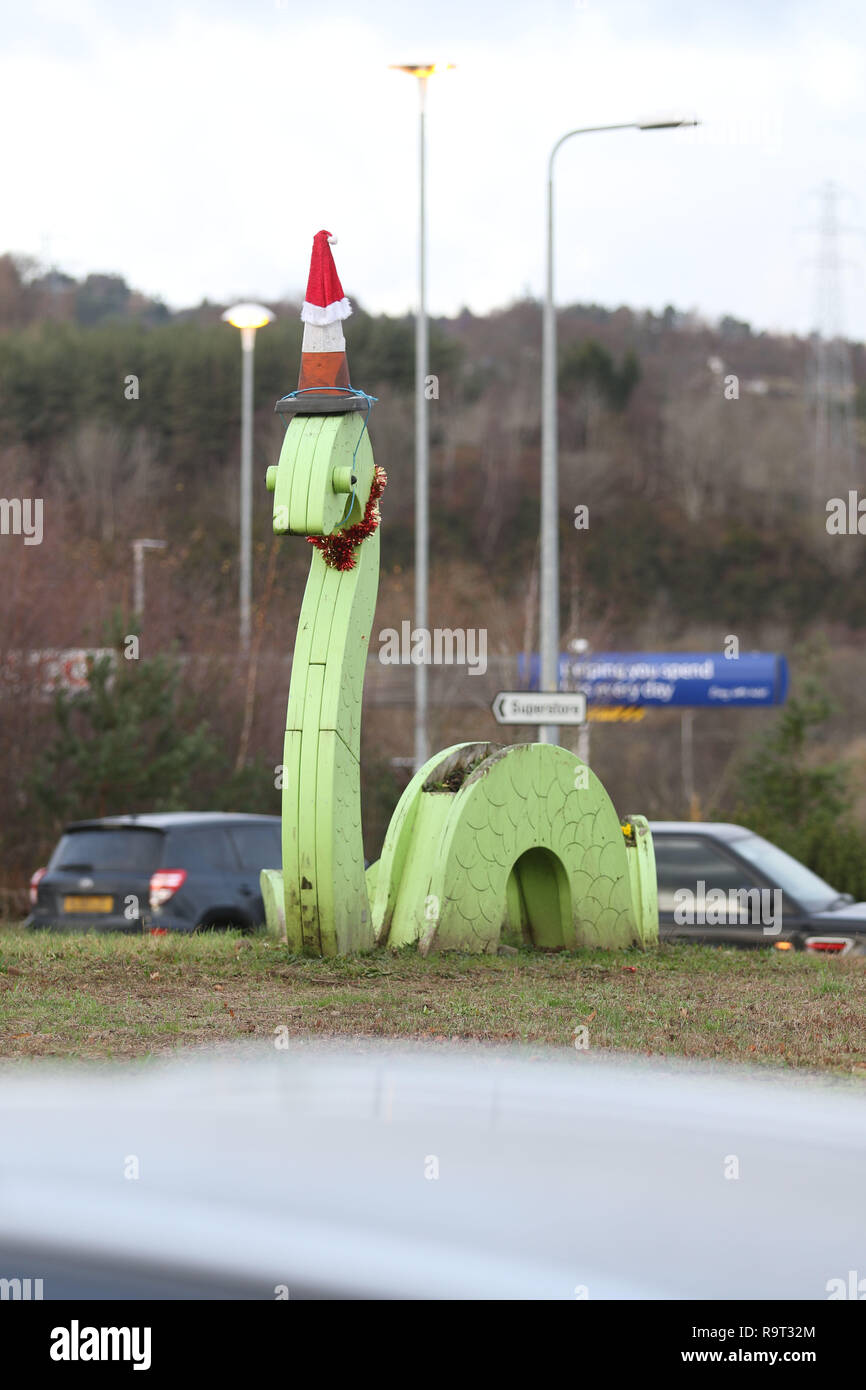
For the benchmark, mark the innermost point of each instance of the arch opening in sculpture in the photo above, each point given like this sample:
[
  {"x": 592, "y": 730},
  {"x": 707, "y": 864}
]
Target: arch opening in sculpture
[{"x": 539, "y": 901}]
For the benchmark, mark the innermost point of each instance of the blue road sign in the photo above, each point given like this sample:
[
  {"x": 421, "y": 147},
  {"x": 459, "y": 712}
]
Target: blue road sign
[{"x": 682, "y": 679}]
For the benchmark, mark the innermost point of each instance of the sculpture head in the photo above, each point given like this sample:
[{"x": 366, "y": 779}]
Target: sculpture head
[{"x": 322, "y": 481}]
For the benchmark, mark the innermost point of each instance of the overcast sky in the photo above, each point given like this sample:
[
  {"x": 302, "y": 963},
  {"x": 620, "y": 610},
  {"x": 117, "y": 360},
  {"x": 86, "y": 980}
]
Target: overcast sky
[{"x": 196, "y": 147}]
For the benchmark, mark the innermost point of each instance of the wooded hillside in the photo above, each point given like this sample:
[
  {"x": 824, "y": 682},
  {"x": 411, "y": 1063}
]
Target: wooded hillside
[{"x": 706, "y": 518}]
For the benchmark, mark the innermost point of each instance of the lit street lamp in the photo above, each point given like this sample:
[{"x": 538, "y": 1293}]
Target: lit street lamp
[
  {"x": 247, "y": 317},
  {"x": 422, "y": 71},
  {"x": 549, "y": 585}
]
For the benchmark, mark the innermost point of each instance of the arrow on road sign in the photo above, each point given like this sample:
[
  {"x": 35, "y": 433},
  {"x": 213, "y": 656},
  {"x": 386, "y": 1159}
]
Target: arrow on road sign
[{"x": 525, "y": 707}]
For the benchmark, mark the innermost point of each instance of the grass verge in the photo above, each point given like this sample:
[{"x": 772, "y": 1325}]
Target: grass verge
[{"x": 105, "y": 997}]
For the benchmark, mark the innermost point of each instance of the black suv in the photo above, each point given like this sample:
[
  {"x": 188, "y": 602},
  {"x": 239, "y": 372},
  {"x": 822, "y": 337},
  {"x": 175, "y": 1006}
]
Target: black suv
[
  {"x": 723, "y": 885},
  {"x": 174, "y": 872}
]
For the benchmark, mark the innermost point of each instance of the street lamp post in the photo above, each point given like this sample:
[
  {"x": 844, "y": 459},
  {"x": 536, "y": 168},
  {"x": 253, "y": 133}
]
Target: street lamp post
[
  {"x": 549, "y": 558},
  {"x": 138, "y": 549},
  {"x": 247, "y": 317},
  {"x": 421, "y": 71}
]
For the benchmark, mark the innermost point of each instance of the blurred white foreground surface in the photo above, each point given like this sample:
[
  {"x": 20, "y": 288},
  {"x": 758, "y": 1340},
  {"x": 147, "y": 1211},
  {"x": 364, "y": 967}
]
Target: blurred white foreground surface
[{"x": 376, "y": 1172}]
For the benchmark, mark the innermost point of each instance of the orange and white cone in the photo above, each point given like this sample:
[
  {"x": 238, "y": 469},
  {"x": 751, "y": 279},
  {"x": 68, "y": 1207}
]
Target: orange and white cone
[{"x": 324, "y": 368}]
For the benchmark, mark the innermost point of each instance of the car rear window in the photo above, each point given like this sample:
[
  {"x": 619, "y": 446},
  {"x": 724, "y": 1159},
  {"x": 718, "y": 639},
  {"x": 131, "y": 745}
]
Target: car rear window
[
  {"x": 201, "y": 847},
  {"x": 86, "y": 850},
  {"x": 258, "y": 845}
]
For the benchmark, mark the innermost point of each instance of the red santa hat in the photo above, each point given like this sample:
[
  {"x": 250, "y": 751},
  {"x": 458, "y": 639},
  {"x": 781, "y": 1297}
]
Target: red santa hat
[{"x": 324, "y": 301}]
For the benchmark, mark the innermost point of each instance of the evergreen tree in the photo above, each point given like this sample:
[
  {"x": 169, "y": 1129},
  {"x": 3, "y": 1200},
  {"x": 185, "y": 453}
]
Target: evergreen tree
[
  {"x": 125, "y": 743},
  {"x": 800, "y": 805},
  {"x": 783, "y": 790}
]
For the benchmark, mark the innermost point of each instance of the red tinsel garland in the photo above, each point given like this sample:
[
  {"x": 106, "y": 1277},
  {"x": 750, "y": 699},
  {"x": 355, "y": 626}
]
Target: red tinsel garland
[{"x": 338, "y": 549}]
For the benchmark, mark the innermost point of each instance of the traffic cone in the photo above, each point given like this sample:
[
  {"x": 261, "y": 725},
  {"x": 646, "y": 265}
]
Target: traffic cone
[{"x": 324, "y": 367}]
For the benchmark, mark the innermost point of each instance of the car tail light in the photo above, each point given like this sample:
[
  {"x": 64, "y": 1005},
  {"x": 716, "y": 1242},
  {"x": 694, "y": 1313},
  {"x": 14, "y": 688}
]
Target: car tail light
[
  {"x": 832, "y": 945},
  {"x": 164, "y": 884},
  {"x": 35, "y": 881}
]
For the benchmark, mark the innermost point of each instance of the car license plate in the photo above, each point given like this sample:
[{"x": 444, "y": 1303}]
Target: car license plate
[{"x": 76, "y": 904}]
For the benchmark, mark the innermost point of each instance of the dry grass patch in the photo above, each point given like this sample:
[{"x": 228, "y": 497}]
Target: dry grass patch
[{"x": 117, "y": 996}]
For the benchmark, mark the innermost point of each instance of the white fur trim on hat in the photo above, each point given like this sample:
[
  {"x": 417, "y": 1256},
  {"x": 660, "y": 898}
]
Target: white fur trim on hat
[{"x": 316, "y": 313}]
